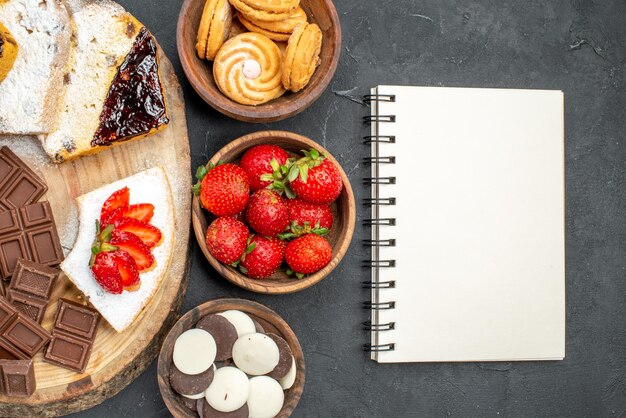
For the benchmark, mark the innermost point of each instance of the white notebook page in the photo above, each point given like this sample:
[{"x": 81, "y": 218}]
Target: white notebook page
[{"x": 479, "y": 225}]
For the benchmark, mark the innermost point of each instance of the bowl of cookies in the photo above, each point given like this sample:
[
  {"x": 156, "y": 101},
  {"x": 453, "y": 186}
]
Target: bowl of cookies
[
  {"x": 231, "y": 357},
  {"x": 259, "y": 60},
  {"x": 273, "y": 212}
]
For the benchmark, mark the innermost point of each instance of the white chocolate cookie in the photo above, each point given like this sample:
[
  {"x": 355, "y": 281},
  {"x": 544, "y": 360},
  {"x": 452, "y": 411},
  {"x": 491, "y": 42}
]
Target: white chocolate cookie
[
  {"x": 266, "y": 397},
  {"x": 255, "y": 354},
  {"x": 194, "y": 351},
  {"x": 229, "y": 390}
]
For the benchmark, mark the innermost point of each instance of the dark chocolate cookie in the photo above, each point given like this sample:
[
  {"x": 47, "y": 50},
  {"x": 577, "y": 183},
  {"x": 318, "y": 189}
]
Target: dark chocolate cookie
[
  {"x": 284, "y": 359},
  {"x": 191, "y": 404},
  {"x": 209, "y": 412},
  {"x": 187, "y": 384},
  {"x": 224, "y": 333}
]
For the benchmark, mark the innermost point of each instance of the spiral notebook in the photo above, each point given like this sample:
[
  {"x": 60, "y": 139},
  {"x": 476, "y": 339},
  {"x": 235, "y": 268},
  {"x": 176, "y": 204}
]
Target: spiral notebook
[{"x": 468, "y": 258}]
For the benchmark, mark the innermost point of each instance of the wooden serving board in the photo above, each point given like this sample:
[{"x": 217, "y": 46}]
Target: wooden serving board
[{"x": 117, "y": 358}]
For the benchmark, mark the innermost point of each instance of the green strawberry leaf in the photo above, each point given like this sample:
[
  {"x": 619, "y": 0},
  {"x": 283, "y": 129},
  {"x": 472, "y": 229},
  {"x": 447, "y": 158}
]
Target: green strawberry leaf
[
  {"x": 107, "y": 248},
  {"x": 235, "y": 264},
  {"x": 290, "y": 194},
  {"x": 285, "y": 236},
  {"x": 320, "y": 231},
  {"x": 299, "y": 275},
  {"x": 243, "y": 269},
  {"x": 196, "y": 189},
  {"x": 95, "y": 250},
  {"x": 251, "y": 248},
  {"x": 274, "y": 164},
  {"x": 304, "y": 173},
  {"x": 293, "y": 173},
  {"x": 267, "y": 177},
  {"x": 105, "y": 235},
  {"x": 97, "y": 227},
  {"x": 314, "y": 154},
  {"x": 289, "y": 272},
  {"x": 201, "y": 172}
]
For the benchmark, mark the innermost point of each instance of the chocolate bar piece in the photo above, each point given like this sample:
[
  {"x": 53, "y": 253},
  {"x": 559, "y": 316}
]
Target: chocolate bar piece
[
  {"x": 18, "y": 377},
  {"x": 7, "y": 311},
  {"x": 23, "y": 334},
  {"x": 28, "y": 233},
  {"x": 31, "y": 287},
  {"x": 73, "y": 334},
  {"x": 19, "y": 185}
]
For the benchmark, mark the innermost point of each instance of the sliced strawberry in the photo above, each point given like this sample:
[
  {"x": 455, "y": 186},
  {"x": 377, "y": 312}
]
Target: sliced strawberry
[
  {"x": 134, "y": 246},
  {"x": 107, "y": 274},
  {"x": 118, "y": 199},
  {"x": 127, "y": 268},
  {"x": 149, "y": 234},
  {"x": 112, "y": 216},
  {"x": 141, "y": 211}
]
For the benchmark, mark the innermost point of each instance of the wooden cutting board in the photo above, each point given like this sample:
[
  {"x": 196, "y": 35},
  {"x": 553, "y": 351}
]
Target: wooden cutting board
[{"x": 117, "y": 358}]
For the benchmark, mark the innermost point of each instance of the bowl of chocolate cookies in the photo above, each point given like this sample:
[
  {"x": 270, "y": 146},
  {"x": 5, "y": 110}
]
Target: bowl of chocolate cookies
[{"x": 231, "y": 357}]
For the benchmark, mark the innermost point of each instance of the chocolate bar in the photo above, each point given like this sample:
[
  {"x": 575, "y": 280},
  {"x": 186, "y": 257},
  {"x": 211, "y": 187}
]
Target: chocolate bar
[
  {"x": 73, "y": 335},
  {"x": 20, "y": 337},
  {"x": 18, "y": 378},
  {"x": 31, "y": 287},
  {"x": 19, "y": 185},
  {"x": 28, "y": 233}
]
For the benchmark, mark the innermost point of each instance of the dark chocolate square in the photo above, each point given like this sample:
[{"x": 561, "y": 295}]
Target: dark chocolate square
[
  {"x": 18, "y": 377},
  {"x": 7, "y": 311},
  {"x": 34, "y": 278},
  {"x": 32, "y": 307},
  {"x": 68, "y": 351},
  {"x": 25, "y": 335},
  {"x": 19, "y": 185},
  {"x": 81, "y": 321}
]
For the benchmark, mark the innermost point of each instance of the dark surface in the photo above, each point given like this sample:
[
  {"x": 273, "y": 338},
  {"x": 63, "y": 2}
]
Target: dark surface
[{"x": 576, "y": 46}]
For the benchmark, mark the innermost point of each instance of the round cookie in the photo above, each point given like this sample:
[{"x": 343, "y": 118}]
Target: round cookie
[
  {"x": 284, "y": 357},
  {"x": 206, "y": 410},
  {"x": 256, "y": 354},
  {"x": 274, "y": 36},
  {"x": 258, "y": 327},
  {"x": 233, "y": 71},
  {"x": 194, "y": 397},
  {"x": 257, "y": 13},
  {"x": 229, "y": 390},
  {"x": 190, "y": 385},
  {"x": 194, "y": 351},
  {"x": 241, "y": 321},
  {"x": 189, "y": 403},
  {"x": 301, "y": 56},
  {"x": 203, "y": 30},
  {"x": 224, "y": 333},
  {"x": 274, "y": 6},
  {"x": 266, "y": 397},
  {"x": 220, "y": 28},
  {"x": 289, "y": 379},
  {"x": 298, "y": 16}
]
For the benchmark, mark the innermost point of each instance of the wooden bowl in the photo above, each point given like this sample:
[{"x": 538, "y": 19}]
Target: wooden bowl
[
  {"x": 200, "y": 72},
  {"x": 269, "y": 320},
  {"x": 340, "y": 234}
]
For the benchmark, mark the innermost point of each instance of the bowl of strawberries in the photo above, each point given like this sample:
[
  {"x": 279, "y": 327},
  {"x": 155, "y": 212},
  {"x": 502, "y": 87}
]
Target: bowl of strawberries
[{"x": 273, "y": 212}]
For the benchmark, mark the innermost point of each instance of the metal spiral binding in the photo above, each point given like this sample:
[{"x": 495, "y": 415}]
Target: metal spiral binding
[{"x": 376, "y": 221}]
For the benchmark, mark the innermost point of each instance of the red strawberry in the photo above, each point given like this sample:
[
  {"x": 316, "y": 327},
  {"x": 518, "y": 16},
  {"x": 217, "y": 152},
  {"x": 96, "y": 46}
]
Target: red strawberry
[
  {"x": 315, "y": 179},
  {"x": 127, "y": 268},
  {"x": 141, "y": 211},
  {"x": 149, "y": 234},
  {"x": 118, "y": 199},
  {"x": 106, "y": 273},
  {"x": 227, "y": 239},
  {"x": 134, "y": 246},
  {"x": 267, "y": 213},
  {"x": 308, "y": 254},
  {"x": 224, "y": 190},
  {"x": 112, "y": 216},
  {"x": 257, "y": 162},
  {"x": 263, "y": 257},
  {"x": 305, "y": 217}
]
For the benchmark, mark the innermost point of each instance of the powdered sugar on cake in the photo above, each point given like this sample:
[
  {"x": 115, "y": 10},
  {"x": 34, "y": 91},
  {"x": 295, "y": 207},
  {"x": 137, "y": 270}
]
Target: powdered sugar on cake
[{"x": 150, "y": 186}]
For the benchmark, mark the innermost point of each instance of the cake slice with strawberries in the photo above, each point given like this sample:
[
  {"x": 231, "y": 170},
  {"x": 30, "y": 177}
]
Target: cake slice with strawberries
[{"x": 124, "y": 245}]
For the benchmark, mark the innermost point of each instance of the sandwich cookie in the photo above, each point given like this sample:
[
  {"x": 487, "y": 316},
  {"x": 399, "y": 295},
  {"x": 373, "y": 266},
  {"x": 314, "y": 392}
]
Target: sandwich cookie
[
  {"x": 298, "y": 16},
  {"x": 301, "y": 57},
  {"x": 247, "y": 69},
  {"x": 256, "y": 354},
  {"x": 259, "y": 13},
  {"x": 194, "y": 351},
  {"x": 191, "y": 385},
  {"x": 266, "y": 397},
  {"x": 241, "y": 321},
  {"x": 290, "y": 378},
  {"x": 229, "y": 390},
  {"x": 274, "y": 36},
  {"x": 214, "y": 28},
  {"x": 284, "y": 357},
  {"x": 223, "y": 332}
]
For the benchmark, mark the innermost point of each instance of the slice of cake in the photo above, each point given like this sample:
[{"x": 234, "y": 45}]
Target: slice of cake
[
  {"x": 113, "y": 92},
  {"x": 39, "y": 31},
  {"x": 124, "y": 245}
]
